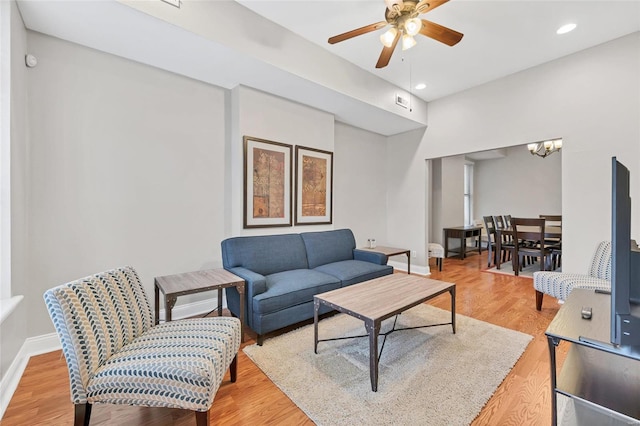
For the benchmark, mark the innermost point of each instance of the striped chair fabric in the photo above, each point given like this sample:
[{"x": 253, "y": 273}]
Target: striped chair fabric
[
  {"x": 560, "y": 284},
  {"x": 115, "y": 355}
]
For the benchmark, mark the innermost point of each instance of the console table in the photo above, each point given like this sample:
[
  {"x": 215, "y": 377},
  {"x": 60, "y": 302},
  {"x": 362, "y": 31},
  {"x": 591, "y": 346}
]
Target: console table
[
  {"x": 603, "y": 379},
  {"x": 462, "y": 233}
]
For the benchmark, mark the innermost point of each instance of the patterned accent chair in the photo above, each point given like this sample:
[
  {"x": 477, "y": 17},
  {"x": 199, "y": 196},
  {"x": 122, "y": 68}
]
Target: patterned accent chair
[
  {"x": 560, "y": 284},
  {"x": 116, "y": 355}
]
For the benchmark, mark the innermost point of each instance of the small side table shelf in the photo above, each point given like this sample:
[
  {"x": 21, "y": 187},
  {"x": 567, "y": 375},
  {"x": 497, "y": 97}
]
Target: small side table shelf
[
  {"x": 602, "y": 378},
  {"x": 173, "y": 286},
  {"x": 462, "y": 233},
  {"x": 391, "y": 251}
]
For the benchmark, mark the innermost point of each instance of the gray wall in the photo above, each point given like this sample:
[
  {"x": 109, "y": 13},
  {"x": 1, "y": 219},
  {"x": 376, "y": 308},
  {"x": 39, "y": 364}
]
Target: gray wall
[
  {"x": 129, "y": 164},
  {"x": 126, "y": 167},
  {"x": 589, "y": 98},
  {"x": 360, "y": 194},
  {"x": 519, "y": 184}
]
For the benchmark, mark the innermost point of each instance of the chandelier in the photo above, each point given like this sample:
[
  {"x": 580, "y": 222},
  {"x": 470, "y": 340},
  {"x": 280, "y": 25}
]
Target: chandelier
[{"x": 543, "y": 149}]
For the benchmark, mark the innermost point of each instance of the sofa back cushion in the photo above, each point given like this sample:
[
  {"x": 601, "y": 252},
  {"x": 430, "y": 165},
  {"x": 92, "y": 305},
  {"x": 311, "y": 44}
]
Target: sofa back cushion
[
  {"x": 265, "y": 254},
  {"x": 328, "y": 246}
]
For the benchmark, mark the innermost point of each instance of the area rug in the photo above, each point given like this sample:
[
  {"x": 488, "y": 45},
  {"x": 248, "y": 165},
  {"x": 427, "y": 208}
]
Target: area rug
[
  {"x": 426, "y": 376},
  {"x": 506, "y": 268}
]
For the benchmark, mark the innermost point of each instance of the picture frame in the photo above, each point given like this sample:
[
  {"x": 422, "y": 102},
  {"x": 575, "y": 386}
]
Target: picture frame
[
  {"x": 267, "y": 183},
  {"x": 314, "y": 186}
]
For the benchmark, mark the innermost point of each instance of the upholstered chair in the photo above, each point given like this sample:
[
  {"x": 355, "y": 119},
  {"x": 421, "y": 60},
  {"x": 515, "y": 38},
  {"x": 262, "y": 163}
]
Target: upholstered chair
[
  {"x": 437, "y": 251},
  {"x": 116, "y": 355},
  {"x": 560, "y": 284}
]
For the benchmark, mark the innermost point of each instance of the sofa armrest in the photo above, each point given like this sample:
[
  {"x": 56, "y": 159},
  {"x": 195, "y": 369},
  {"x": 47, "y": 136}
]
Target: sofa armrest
[
  {"x": 370, "y": 256},
  {"x": 255, "y": 283}
]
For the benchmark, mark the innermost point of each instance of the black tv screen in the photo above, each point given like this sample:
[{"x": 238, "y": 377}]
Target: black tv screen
[{"x": 625, "y": 263}]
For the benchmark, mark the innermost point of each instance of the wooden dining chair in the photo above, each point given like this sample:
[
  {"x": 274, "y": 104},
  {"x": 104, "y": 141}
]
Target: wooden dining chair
[
  {"x": 491, "y": 239},
  {"x": 506, "y": 242},
  {"x": 531, "y": 232},
  {"x": 554, "y": 220}
]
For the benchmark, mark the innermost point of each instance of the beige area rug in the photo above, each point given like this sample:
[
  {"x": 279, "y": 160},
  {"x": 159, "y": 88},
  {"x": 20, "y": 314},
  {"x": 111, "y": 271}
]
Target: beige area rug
[
  {"x": 506, "y": 268},
  {"x": 426, "y": 376}
]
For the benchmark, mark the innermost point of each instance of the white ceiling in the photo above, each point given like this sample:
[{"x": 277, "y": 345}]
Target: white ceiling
[
  {"x": 292, "y": 58},
  {"x": 500, "y": 37}
]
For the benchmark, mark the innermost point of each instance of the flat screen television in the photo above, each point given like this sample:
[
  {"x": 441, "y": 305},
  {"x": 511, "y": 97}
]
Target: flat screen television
[{"x": 625, "y": 263}]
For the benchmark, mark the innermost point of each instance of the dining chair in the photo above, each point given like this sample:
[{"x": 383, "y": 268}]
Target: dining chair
[
  {"x": 531, "y": 232},
  {"x": 554, "y": 220},
  {"x": 506, "y": 241},
  {"x": 491, "y": 239}
]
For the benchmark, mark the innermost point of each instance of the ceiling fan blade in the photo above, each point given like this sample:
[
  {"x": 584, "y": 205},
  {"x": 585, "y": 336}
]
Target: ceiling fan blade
[
  {"x": 385, "y": 56},
  {"x": 442, "y": 34},
  {"x": 426, "y": 5},
  {"x": 353, "y": 33}
]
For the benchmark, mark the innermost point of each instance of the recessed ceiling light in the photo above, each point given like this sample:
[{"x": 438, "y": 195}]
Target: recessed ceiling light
[
  {"x": 566, "y": 28},
  {"x": 420, "y": 86}
]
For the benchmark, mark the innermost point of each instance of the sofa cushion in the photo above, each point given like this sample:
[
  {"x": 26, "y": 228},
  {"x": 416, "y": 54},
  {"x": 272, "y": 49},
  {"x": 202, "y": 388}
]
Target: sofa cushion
[
  {"x": 355, "y": 271},
  {"x": 328, "y": 246},
  {"x": 290, "y": 288},
  {"x": 265, "y": 254}
]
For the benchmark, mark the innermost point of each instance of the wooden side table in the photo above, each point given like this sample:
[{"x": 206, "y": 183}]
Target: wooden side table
[
  {"x": 392, "y": 251},
  {"x": 173, "y": 286}
]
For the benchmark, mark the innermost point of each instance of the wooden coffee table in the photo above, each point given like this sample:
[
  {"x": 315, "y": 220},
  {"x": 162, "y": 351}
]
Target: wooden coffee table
[{"x": 376, "y": 300}]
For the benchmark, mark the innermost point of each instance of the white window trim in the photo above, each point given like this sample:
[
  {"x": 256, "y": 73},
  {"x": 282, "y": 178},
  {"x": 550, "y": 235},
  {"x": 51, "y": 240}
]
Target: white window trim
[{"x": 7, "y": 302}]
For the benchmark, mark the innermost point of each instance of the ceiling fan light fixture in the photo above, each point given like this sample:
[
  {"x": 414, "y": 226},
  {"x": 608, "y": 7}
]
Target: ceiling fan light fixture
[
  {"x": 391, "y": 3},
  {"x": 413, "y": 26},
  {"x": 388, "y": 37},
  {"x": 407, "y": 42}
]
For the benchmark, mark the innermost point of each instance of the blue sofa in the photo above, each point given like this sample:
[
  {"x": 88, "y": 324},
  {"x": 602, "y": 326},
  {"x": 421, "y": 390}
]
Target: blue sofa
[{"x": 283, "y": 273}]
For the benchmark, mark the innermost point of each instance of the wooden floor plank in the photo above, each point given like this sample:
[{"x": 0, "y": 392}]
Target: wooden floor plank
[{"x": 42, "y": 396}]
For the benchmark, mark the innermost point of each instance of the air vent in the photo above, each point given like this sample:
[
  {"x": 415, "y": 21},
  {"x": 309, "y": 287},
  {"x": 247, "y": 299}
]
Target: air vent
[{"x": 403, "y": 102}]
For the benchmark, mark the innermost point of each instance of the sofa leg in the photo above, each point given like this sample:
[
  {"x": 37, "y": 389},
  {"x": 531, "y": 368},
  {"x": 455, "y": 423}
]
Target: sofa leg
[
  {"x": 202, "y": 418},
  {"x": 539, "y": 295},
  {"x": 82, "y": 414},
  {"x": 260, "y": 339},
  {"x": 233, "y": 369}
]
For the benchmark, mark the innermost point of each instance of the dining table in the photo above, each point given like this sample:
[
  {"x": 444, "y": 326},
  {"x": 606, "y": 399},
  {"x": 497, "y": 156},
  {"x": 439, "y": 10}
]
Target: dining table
[{"x": 550, "y": 233}]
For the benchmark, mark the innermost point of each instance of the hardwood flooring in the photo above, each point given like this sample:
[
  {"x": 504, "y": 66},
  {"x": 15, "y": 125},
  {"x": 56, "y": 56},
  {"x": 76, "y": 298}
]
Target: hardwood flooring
[{"x": 42, "y": 397}]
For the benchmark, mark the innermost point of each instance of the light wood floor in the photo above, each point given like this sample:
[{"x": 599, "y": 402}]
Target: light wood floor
[{"x": 42, "y": 397}]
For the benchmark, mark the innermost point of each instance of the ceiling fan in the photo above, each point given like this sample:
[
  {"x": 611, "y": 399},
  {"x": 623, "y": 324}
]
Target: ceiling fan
[{"x": 403, "y": 16}]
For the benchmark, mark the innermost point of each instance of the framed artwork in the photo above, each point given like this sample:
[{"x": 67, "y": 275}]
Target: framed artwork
[
  {"x": 267, "y": 183},
  {"x": 314, "y": 186}
]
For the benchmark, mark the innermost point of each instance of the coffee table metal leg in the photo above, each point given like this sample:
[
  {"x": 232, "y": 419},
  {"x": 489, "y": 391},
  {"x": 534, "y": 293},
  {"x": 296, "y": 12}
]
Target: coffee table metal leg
[
  {"x": 316, "y": 306},
  {"x": 373, "y": 329},
  {"x": 453, "y": 308}
]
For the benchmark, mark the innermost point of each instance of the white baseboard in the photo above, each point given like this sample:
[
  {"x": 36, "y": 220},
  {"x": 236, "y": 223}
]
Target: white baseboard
[{"x": 415, "y": 269}]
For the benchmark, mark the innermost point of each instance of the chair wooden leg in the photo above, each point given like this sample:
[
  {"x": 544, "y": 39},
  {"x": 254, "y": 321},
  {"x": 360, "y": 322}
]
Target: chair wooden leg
[
  {"x": 439, "y": 264},
  {"x": 539, "y": 295},
  {"x": 82, "y": 414},
  {"x": 233, "y": 369},
  {"x": 202, "y": 418},
  {"x": 260, "y": 339}
]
